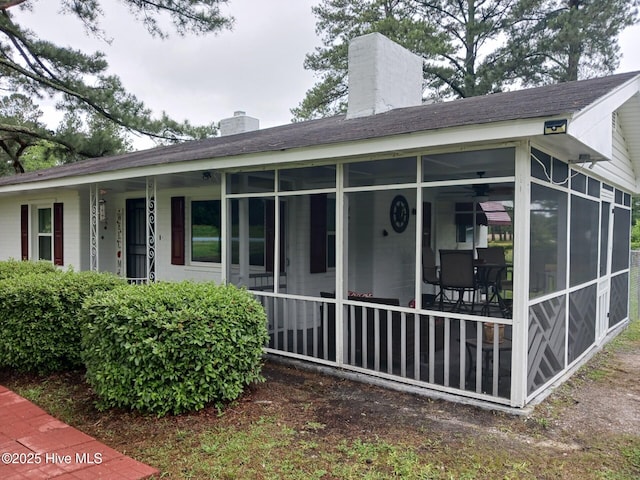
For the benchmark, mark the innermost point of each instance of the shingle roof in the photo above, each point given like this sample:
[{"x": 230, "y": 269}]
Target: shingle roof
[{"x": 547, "y": 101}]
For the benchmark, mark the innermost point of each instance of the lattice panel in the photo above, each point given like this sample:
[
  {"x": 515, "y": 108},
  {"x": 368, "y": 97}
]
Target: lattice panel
[
  {"x": 546, "y": 341},
  {"x": 619, "y": 299},
  {"x": 582, "y": 320}
]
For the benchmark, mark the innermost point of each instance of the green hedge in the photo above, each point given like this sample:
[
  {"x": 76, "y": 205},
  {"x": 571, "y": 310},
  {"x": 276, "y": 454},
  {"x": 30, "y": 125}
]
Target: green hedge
[
  {"x": 172, "y": 347},
  {"x": 17, "y": 268},
  {"x": 39, "y": 318}
]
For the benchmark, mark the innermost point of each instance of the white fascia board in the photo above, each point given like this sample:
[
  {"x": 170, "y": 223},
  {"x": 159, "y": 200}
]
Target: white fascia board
[
  {"x": 393, "y": 146},
  {"x": 592, "y": 125}
]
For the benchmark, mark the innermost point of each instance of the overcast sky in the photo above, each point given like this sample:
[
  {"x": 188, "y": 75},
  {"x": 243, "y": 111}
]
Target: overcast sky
[{"x": 257, "y": 67}]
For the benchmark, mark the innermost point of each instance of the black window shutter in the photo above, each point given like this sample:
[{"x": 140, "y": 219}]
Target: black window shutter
[
  {"x": 24, "y": 232},
  {"x": 318, "y": 233},
  {"x": 58, "y": 234},
  {"x": 177, "y": 231}
]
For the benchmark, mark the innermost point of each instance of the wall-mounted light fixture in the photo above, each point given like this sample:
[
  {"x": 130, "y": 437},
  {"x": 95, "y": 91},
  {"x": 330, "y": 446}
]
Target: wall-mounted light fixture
[
  {"x": 555, "y": 127},
  {"x": 206, "y": 176},
  {"x": 102, "y": 209}
]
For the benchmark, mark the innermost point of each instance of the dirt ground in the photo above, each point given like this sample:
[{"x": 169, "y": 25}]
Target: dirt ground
[
  {"x": 589, "y": 404},
  {"x": 588, "y": 428}
]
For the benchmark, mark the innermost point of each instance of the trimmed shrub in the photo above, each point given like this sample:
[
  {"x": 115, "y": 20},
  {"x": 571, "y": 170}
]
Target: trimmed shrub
[
  {"x": 40, "y": 315},
  {"x": 172, "y": 347},
  {"x": 17, "y": 268}
]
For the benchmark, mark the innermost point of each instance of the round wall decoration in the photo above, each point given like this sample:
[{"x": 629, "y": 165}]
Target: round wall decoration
[{"x": 399, "y": 213}]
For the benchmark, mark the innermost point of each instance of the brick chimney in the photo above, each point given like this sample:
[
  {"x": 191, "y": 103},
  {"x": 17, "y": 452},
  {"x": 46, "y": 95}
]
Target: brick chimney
[
  {"x": 382, "y": 76},
  {"x": 239, "y": 123}
]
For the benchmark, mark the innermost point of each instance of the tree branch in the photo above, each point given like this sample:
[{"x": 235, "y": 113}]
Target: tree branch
[
  {"x": 84, "y": 99},
  {"x": 4, "y": 5}
]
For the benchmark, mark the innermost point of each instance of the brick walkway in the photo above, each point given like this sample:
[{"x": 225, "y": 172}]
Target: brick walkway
[{"x": 34, "y": 445}]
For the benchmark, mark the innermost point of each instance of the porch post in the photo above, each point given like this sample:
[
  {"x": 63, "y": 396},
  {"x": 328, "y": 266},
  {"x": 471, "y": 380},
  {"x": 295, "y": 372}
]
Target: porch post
[
  {"x": 341, "y": 260},
  {"x": 224, "y": 230},
  {"x": 94, "y": 250},
  {"x": 243, "y": 240},
  {"x": 521, "y": 252},
  {"x": 151, "y": 229},
  {"x": 419, "y": 229},
  {"x": 276, "y": 236}
]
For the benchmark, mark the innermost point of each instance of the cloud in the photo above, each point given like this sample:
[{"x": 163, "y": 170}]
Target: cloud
[{"x": 256, "y": 67}]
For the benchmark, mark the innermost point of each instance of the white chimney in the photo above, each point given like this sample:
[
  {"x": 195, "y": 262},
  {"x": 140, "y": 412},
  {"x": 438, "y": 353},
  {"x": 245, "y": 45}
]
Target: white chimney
[
  {"x": 382, "y": 76},
  {"x": 239, "y": 123}
]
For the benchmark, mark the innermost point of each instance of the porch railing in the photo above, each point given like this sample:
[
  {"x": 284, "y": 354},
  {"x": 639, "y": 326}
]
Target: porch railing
[{"x": 457, "y": 353}]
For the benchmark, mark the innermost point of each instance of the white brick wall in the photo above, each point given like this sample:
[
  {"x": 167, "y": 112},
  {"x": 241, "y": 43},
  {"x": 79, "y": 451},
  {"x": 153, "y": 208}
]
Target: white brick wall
[{"x": 382, "y": 76}]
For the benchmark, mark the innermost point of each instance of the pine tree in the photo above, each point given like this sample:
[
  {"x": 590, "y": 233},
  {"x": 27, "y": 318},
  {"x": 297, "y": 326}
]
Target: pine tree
[
  {"x": 36, "y": 69},
  {"x": 470, "y": 47},
  {"x": 553, "y": 41}
]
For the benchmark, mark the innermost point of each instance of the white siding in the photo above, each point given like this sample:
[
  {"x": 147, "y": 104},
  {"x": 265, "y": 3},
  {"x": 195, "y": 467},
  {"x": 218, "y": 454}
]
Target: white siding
[
  {"x": 164, "y": 269},
  {"x": 619, "y": 171},
  {"x": 10, "y": 221},
  {"x": 10, "y": 231}
]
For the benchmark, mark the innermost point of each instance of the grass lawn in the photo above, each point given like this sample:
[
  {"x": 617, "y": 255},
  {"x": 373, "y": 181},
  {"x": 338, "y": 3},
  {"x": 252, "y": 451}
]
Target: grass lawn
[{"x": 302, "y": 425}]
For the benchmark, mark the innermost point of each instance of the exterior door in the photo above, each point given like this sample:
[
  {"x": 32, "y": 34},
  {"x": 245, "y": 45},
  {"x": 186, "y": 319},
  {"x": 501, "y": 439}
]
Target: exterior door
[
  {"x": 136, "y": 239},
  {"x": 606, "y": 247}
]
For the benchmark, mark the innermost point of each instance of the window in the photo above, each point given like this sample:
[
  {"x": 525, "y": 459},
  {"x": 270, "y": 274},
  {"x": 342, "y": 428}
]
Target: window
[
  {"x": 331, "y": 232},
  {"x": 621, "y": 231},
  {"x": 206, "y": 242},
  {"x": 257, "y": 228},
  {"x": 548, "y": 241},
  {"x": 45, "y": 237},
  {"x": 583, "y": 250},
  {"x": 322, "y": 234}
]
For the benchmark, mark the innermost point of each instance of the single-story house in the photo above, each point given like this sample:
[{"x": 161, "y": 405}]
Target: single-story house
[{"x": 476, "y": 248}]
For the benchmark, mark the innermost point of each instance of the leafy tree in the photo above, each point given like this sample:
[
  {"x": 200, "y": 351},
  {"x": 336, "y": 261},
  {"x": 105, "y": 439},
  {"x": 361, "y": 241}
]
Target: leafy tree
[
  {"x": 78, "y": 82},
  {"x": 470, "y": 47},
  {"x": 563, "y": 40}
]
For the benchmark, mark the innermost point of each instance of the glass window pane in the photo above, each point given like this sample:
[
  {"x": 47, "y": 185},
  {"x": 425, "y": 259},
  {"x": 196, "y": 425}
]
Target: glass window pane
[
  {"x": 251, "y": 182},
  {"x": 604, "y": 237},
  {"x": 381, "y": 172},
  {"x": 540, "y": 164},
  {"x": 619, "y": 196},
  {"x": 474, "y": 164},
  {"x": 621, "y": 230},
  {"x": 307, "y": 178},
  {"x": 257, "y": 230},
  {"x": 548, "y": 241},
  {"x": 205, "y": 231},
  {"x": 44, "y": 220},
  {"x": 331, "y": 232},
  {"x": 579, "y": 183},
  {"x": 594, "y": 187},
  {"x": 584, "y": 240},
  {"x": 560, "y": 173},
  {"x": 44, "y": 247}
]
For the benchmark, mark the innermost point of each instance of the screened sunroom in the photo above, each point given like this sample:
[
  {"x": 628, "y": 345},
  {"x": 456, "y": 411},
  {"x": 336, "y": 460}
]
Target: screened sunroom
[{"x": 354, "y": 288}]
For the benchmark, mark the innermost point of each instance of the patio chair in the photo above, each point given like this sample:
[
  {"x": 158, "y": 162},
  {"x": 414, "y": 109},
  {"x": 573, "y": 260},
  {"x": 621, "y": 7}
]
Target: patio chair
[
  {"x": 430, "y": 275},
  {"x": 457, "y": 273},
  {"x": 495, "y": 278}
]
